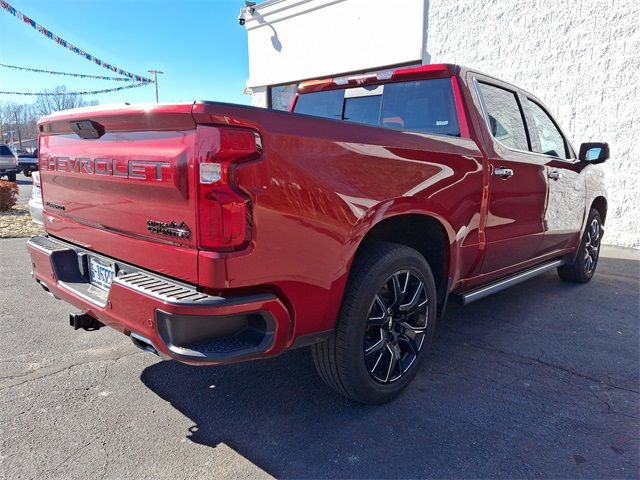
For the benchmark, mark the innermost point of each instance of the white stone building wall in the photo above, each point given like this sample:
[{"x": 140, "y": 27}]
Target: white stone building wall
[{"x": 580, "y": 57}]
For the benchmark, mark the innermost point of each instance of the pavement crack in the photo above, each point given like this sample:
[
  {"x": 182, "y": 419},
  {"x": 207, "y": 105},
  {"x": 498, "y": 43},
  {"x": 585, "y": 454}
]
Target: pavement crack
[
  {"x": 61, "y": 367},
  {"x": 550, "y": 365},
  {"x": 611, "y": 409}
]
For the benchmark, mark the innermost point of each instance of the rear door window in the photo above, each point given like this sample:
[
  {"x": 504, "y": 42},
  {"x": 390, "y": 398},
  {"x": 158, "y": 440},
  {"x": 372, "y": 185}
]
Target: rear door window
[
  {"x": 422, "y": 106},
  {"x": 505, "y": 120}
]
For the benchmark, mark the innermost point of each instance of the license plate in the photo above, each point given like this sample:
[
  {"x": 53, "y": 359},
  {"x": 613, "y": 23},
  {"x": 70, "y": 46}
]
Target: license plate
[{"x": 100, "y": 273}]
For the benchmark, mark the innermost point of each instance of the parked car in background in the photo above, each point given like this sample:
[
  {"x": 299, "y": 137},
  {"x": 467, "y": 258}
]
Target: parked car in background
[
  {"x": 8, "y": 163},
  {"x": 28, "y": 163},
  {"x": 213, "y": 233},
  {"x": 35, "y": 202}
]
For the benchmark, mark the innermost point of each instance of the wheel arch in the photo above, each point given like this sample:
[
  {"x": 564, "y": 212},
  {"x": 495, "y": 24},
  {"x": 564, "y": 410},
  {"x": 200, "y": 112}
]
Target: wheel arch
[
  {"x": 423, "y": 232},
  {"x": 600, "y": 204}
]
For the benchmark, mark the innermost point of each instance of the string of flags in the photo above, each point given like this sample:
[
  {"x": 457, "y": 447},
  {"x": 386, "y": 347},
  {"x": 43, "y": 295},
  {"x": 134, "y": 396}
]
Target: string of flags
[
  {"x": 90, "y": 92},
  {"x": 68, "y": 45},
  {"x": 77, "y": 75}
]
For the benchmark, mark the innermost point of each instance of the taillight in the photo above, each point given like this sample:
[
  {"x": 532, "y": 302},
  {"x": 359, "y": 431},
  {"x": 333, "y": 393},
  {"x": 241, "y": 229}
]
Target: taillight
[{"x": 223, "y": 211}]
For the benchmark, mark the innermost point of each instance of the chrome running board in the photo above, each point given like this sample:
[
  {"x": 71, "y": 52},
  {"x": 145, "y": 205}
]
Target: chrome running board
[{"x": 486, "y": 290}]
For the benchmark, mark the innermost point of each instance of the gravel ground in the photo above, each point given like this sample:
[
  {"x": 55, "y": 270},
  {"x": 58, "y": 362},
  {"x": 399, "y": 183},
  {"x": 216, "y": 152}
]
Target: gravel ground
[
  {"x": 538, "y": 381},
  {"x": 17, "y": 221}
]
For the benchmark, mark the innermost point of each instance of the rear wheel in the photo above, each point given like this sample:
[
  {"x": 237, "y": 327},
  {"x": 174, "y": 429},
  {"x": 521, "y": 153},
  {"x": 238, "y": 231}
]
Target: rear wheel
[
  {"x": 586, "y": 260},
  {"x": 11, "y": 177},
  {"x": 27, "y": 172},
  {"x": 384, "y": 328}
]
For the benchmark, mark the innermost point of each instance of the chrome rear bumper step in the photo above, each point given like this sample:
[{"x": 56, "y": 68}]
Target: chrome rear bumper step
[{"x": 481, "y": 292}]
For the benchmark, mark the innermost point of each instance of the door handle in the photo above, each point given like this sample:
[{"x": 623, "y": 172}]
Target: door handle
[
  {"x": 554, "y": 175},
  {"x": 503, "y": 172}
]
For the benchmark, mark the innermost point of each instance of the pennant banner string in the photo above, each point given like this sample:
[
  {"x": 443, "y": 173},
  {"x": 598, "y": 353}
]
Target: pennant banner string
[
  {"x": 91, "y": 92},
  {"x": 60, "y": 41},
  {"x": 77, "y": 75}
]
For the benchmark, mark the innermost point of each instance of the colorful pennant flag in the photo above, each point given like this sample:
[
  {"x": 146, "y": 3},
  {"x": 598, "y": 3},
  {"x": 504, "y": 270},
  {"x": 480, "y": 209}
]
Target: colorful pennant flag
[{"x": 60, "y": 41}]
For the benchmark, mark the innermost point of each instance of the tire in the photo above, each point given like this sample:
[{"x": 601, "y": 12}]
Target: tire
[
  {"x": 586, "y": 260},
  {"x": 11, "y": 177},
  {"x": 27, "y": 172},
  {"x": 384, "y": 328}
]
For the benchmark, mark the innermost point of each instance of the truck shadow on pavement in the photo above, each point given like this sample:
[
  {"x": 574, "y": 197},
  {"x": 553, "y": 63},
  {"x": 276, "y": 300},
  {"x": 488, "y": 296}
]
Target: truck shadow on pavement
[{"x": 522, "y": 384}]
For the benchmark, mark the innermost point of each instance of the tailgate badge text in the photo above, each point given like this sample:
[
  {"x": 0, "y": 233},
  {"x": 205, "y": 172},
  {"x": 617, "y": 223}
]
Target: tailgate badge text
[{"x": 171, "y": 229}]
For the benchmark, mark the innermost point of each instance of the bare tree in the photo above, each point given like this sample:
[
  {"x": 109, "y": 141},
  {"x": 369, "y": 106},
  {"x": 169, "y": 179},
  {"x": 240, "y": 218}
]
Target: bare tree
[
  {"x": 59, "y": 99},
  {"x": 19, "y": 122},
  {"x": 17, "y": 119}
]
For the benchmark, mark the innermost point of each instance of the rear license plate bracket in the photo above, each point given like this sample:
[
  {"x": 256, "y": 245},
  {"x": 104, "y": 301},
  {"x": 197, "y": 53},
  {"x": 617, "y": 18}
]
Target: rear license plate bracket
[{"x": 101, "y": 273}]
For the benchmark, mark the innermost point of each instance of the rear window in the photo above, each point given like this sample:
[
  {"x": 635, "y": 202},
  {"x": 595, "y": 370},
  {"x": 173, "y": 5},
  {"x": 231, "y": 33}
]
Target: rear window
[
  {"x": 327, "y": 104},
  {"x": 5, "y": 150},
  {"x": 421, "y": 106}
]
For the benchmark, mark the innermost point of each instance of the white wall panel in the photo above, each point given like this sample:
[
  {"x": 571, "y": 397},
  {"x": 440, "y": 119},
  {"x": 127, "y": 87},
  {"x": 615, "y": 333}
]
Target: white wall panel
[{"x": 296, "y": 40}]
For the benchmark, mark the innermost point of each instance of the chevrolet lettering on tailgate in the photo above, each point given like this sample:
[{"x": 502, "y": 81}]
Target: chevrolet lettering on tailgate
[{"x": 140, "y": 169}]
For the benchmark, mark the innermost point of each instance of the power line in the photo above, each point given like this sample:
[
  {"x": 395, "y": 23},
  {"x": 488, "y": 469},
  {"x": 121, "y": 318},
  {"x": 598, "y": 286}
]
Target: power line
[
  {"x": 91, "y": 92},
  {"x": 77, "y": 75}
]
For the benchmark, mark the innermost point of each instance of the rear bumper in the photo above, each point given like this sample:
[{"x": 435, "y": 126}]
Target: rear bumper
[
  {"x": 36, "y": 211},
  {"x": 161, "y": 314}
]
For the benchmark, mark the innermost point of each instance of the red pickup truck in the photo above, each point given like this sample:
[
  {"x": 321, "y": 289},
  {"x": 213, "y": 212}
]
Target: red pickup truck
[{"x": 212, "y": 233}]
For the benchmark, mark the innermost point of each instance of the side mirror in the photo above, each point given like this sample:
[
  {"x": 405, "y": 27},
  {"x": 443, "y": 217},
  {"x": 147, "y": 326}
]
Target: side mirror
[{"x": 594, "y": 152}]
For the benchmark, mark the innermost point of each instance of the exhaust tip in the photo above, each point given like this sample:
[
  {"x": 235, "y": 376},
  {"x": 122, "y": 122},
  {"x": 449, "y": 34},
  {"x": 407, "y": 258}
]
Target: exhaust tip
[
  {"x": 46, "y": 289},
  {"x": 143, "y": 343}
]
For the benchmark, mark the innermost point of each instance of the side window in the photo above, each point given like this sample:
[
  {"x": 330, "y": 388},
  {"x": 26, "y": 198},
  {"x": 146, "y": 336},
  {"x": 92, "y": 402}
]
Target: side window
[
  {"x": 550, "y": 140},
  {"x": 505, "y": 118}
]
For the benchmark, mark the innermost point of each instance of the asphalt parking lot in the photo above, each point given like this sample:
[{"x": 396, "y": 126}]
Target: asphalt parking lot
[{"x": 539, "y": 381}]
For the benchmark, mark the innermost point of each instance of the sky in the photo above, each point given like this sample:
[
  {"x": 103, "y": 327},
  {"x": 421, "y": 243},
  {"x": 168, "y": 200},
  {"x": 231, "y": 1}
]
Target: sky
[{"x": 197, "y": 43}]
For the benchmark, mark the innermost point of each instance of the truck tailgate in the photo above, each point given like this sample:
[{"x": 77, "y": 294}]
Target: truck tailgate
[{"x": 119, "y": 181}]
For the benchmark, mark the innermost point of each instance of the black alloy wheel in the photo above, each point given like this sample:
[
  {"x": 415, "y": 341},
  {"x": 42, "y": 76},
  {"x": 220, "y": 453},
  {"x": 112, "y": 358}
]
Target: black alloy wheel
[
  {"x": 385, "y": 325},
  {"x": 592, "y": 246},
  {"x": 583, "y": 265},
  {"x": 396, "y": 326}
]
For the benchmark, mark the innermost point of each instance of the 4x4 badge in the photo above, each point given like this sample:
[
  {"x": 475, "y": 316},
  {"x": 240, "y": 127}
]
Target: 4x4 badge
[{"x": 171, "y": 229}]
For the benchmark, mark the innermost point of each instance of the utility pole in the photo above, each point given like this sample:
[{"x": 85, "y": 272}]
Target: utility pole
[
  {"x": 155, "y": 80},
  {"x": 15, "y": 116}
]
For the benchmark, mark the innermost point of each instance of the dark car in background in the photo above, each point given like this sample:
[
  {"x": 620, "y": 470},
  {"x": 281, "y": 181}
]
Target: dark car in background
[
  {"x": 28, "y": 162},
  {"x": 8, "y": 163}
]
